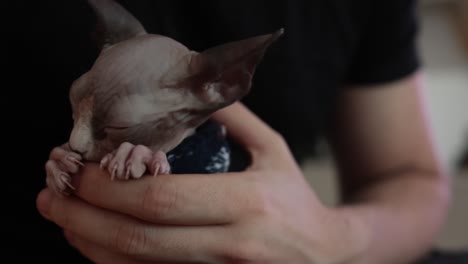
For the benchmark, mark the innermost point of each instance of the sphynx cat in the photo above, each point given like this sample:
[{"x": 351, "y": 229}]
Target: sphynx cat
[{"x": 144, "y": 95}]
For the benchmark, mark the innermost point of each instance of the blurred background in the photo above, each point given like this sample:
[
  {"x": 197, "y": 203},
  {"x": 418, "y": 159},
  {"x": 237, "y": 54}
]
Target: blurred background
[{"x": 443, "y": 41}]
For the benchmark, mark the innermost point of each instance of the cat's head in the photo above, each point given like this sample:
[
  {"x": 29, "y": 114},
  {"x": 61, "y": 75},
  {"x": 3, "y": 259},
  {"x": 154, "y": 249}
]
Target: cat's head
[{"x": 152, "y": 90}]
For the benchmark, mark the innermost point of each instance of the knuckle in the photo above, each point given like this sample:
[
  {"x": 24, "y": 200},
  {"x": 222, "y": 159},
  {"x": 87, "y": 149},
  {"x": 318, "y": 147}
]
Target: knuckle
[
  {"x": 279, "y": 140},
  {"x": 126, "y": 145},
  {"x": 160, "y": 154},
  {"x": 259, "y": 202},
  {"x": 261, "y": 208},
  {"x": 129, "y": 239},
  {"x": 273, "y": 135},
  {"x": 140, "y": 148},
  {"x": 245, "y": 248},
  {"x": 141, "y": 151},
  {"x": 159, "y": 200},
  {"x": 277, "y": 135}
]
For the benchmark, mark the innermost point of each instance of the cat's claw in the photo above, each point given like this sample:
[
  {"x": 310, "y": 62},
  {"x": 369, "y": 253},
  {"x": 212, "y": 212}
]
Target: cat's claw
[
  {"x": 114, "y": 171},
  {"x": 104, "y": 162},
  {"x": 61, "y": 165},
  {"x": 133, "y": 161},
  {"x": 156, "y": 169},
  {"x": 75, "y": 160},
  {"x": 66, "y": 180}
]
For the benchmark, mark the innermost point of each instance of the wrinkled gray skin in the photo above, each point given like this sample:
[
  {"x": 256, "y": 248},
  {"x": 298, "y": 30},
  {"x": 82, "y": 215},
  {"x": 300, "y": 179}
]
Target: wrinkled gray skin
[{"x": 144, "y": 94}]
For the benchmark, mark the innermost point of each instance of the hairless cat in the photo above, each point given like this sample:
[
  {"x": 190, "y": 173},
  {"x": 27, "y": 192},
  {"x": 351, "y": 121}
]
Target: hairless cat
[{"x": 144, "y": 95}]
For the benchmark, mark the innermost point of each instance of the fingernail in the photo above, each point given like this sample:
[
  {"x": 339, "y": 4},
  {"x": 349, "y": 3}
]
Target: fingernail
[{"x": 43, "y": 202}]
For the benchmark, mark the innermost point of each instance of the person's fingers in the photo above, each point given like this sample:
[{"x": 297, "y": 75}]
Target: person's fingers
[
  {"x": 128, "y": 236},
  {"x": 267, "y": 147},
  {"x": 101, "y": 255},
  {"x": 172, "y": 199},
  {"x": 97, "y": 253}
]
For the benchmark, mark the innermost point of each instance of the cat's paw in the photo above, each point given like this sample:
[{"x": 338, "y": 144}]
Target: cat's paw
[
  {"x": 61, "y": 165},
  {"x": 133, "y": 161}
]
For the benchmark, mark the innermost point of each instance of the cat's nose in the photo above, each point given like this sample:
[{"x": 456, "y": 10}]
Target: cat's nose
[
  {"x": 80, "y": 139},
  {"x": 81, "y": 152}
]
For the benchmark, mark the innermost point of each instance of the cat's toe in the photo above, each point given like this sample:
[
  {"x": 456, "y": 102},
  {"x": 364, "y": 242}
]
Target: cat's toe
[
  {"x": 159, "y": 164},
  {"x": 58, "y": 180}
]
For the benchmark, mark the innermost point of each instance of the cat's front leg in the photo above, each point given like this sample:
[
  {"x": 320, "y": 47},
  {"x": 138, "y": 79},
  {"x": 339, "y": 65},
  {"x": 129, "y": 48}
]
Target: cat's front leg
[{"x": 133, "y": 161}]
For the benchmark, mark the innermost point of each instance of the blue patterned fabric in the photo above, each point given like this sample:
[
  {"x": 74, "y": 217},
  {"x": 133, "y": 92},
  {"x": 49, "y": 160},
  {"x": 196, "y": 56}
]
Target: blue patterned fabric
[{"x": 206, "y": 151}]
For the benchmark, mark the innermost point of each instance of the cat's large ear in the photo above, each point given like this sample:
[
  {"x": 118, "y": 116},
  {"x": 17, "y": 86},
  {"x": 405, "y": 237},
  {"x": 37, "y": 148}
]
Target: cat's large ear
[
  {"x": 114, "y": 23},
  {"x": 223, "y": 74}
]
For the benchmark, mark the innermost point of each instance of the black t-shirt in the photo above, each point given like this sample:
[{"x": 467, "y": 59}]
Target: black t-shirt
[{"x": 327, "y": 45}]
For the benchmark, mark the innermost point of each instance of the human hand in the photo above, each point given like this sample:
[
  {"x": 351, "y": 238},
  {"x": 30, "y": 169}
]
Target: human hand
[{"x": 266, "y": 214}]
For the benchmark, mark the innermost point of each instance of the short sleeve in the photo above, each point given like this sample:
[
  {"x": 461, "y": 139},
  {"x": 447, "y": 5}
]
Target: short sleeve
[{"x": 387, "y": 48}]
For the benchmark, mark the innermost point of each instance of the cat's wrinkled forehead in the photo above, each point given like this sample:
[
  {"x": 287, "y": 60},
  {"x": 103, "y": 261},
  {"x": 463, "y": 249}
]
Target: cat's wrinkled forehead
[
  {"x": 136, "y": 64},
  {"x": 142, "y": 59}
]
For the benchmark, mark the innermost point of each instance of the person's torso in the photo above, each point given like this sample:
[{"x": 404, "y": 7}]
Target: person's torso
[{"x": 49, "y": 45}]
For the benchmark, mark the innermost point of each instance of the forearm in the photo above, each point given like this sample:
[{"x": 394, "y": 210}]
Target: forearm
[{"x": 398, "y": 219}]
